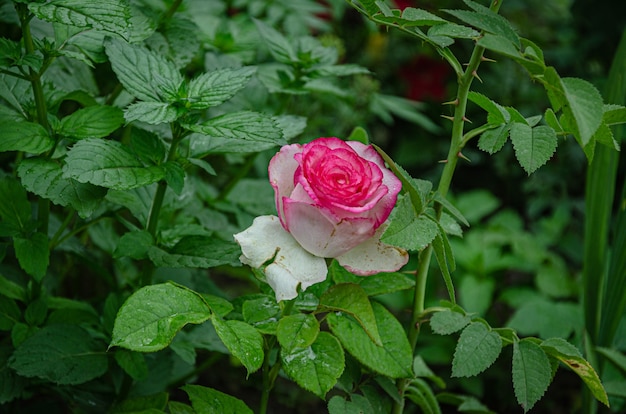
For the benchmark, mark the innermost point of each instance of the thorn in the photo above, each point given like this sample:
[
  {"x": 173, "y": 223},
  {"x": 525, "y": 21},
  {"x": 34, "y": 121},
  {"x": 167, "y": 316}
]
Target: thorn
[
  {"x": 449, "y": 118},
  {"x": 474, "y": 74},
  {"x": 466, "y": 119},
  {"x": 460, "y": 155},
  {"x": 466, "y": 64},
  {"x": 443, "y": 161},
  {"x": 455, "y": 102},
  {"x": 486, "y": 59}
]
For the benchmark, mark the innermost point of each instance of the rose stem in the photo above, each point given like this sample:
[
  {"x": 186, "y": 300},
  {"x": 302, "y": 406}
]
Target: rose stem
[{"x": 456, "y": 145}]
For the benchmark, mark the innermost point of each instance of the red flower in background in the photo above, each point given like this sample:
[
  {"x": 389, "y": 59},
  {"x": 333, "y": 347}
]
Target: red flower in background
[{"x": 426, "y": 78}]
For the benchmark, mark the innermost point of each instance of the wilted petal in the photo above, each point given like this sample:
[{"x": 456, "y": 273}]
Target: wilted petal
[
  {"x": 292, "y": 265},
  {"x": 373, "y": 256}
]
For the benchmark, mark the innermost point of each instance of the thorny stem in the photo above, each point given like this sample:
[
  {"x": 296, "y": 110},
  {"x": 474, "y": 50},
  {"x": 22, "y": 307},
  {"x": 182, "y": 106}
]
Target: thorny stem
[{"x": 457, "y": 142}]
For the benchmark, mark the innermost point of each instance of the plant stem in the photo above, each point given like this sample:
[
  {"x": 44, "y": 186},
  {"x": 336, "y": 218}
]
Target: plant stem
[
  {"x": 457, "y": 143},
  {"x": 170, "y": 12},
  {"x": 270, "y": 374},
  {"x": 157, "y": 202}
]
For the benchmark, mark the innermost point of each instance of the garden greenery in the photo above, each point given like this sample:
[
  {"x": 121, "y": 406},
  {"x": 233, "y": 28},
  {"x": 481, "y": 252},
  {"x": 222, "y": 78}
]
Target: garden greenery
[{"x": 135, "y": 139}]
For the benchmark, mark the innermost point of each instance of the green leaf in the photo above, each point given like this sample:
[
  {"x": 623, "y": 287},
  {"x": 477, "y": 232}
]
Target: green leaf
[
  {"x": 115, "y": 166},
  {"x": 417, "y": 189},
  {"x": 196, "y": 251},
  {"x": 531, "y": 373},
  {"x": 45, "y": 178},
  {"x": 374, "y": 285},
  {"x": 421, "y": 17},
  {"x": 297, "y": 331},
  {"x": 497, "y": 114},
  {"x": 209, "y": 401},
  {"x": 614, "y": 114},
  {"x": 359, "y": 134},
  {"x": 445, "y": 260},
  {"x": 453, "y": 30},
  {"x": 569, "y": 355},
  {"x": 112, "y": 16},
  {"x": 357, "y": 405},
  {"x": 317, "y": 367},
  {"x": 477, "y": 349},
  {"x": 533, "y": 146},
  {"x": 33, "y": 254},
  {"x": 15, "y": 210},
  {"x": 246, "y": 125},
  {"x": 242, "y": 340},
  {"x": 12, "y": 290},
  {"x": 92, "y": 122},
  {"x": 133, "y": 363},
  {"x": 487, "y": 20},
  {"x": 393, "y": 359},
  {"x": 448, "y": 322},
  {"x": 134, "y": 244},
  {"x": 63, "y": 354},
  {"x": 499, "y": 44},
  {"x": 145, "y": 74},
  {"x": 408, "y": 230},
  {"x": 151, "y": 317},
  {"x": 216, "y": 87},
  {"x": 422, "y": 394},
  {"x": 279, "y": 46},
  {"x": 147, "y": 146},
  {"x": 262, "y": 313},
  {"x": 153, "y": 113},
  {"x": 174, "y": 176},
  {"x": 352, "y": 299},
  {"x": 24, "y": 136}
]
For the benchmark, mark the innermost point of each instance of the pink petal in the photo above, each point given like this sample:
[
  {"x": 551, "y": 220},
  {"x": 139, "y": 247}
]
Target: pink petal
[
  {"x": 281, "y": 171},
  {"x": 322, "y": 236}
]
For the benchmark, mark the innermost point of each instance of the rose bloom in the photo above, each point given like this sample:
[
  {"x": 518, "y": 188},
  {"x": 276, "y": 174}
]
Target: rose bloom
[{"x": 333, "y": 198}]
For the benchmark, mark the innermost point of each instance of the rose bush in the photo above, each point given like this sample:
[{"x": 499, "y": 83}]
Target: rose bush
[{"x": 333, "y": 198}]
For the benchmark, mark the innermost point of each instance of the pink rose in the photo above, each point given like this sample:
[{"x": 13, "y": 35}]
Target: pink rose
[
  {"x": 332, "y": 195},
  {"x": 333, "y": 198}
]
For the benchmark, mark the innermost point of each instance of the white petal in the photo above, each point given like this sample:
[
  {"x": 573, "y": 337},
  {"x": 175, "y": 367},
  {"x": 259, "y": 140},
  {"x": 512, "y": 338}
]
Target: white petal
[
  {"x": 373, "y": 256},
  {"x": 292, "y": 266}
]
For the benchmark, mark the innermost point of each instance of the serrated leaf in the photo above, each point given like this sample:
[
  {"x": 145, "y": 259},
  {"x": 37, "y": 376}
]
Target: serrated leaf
[
  {"x": 174, "y": 176},
  {"x": 153, "y": 113},
  {"x": 45, "y": 178},
  {"x": 242, "y": 340},
  {"x": 262, "y": 313},
  {"x": 352, "y": 299},
  {"x": 279, "y": 46},
  {"x": 92, "y": 122},
  {"x": 290, "y": 125},
  {"x": 533, "y": 146},
  {"x": 63, "y": 354},
  {"x": 33, "y": 254},
  {"x": 108, "y": 164},
  {"x": 453, "y": 30},
  {"x": 216, "y": 87},
  {"x": 421, "y": 17},
  {"x": 488, "y": 21},
  {"x": 297, "y": 331},
  {"x": 477, "y": 349},
  {"x": 317, "y": 367},
  {"x": 246, "y": 125},
  {"x": 145, "y": 74},
  {"x": 407, "y": 230},
  {"x": 552, "y": 120},
  {"x": 570, "y": 355},
  {"x": 112, "y": 16},
  {"x": 393, "y": 359},
  {"x": 24, "y": 136},
  {"x": 614, "y": 114},
  {"x": 532, "y": 373},
  {"x": 196, "y": 251},
  {"x": 448, "y": 322},
  {"x": 151, "y": 317},
  {"x": 209, "y": 401},
  {"x": 499, "y": 44}
]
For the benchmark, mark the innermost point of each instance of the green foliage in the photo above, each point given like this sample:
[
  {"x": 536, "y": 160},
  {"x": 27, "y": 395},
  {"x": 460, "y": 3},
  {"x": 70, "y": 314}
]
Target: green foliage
[{"x": 135, "y": 141}]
